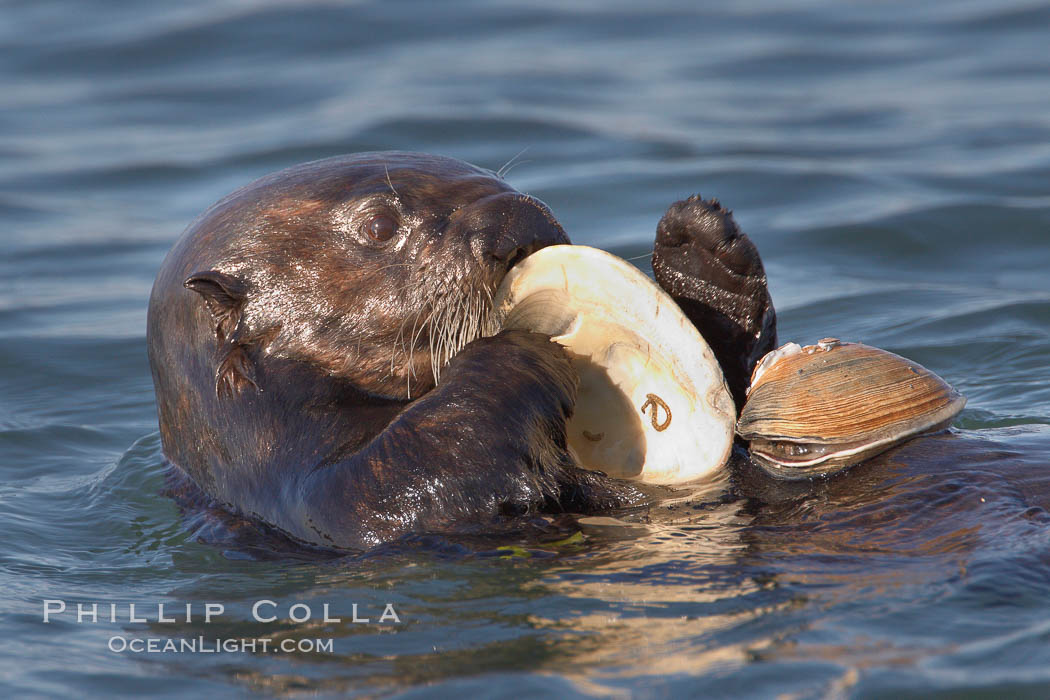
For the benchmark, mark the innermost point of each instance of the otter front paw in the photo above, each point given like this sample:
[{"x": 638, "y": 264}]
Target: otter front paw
[
  {"x": 715, "y": 274},
  {"x": 697, "y": 239},
  {"x": 516, "y": 367}
]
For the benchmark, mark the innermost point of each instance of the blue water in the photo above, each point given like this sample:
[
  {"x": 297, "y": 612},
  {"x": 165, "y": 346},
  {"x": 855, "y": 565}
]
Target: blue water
[{"x": 892, "y": 162}]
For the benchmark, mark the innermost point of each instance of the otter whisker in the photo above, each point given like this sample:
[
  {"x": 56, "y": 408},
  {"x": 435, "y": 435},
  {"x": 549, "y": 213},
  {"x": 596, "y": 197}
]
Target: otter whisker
[
  {"x": 435, "y": 340},
  {"x": 509, "y": 165},
  {"x": 447, "y": 338},
  {"x": 412, "y": 352},
  {"x": 400, "y": 337},
  {"x": 387, "y": 171},
  {"x": 457, "y": 321},
  {"x": 387, "y": 267}
]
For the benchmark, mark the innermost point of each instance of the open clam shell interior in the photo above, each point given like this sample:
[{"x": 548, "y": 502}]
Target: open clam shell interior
[
  {"x": 814, "y": 410},
  {"x": 652, "y": 402}
]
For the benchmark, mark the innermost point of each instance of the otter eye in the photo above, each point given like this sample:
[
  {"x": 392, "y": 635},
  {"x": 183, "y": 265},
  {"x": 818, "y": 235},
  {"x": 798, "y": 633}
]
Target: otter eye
[{"x": 381, "y": 227}]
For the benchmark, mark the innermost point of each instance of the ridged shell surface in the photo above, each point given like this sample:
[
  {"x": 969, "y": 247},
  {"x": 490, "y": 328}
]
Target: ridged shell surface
[
  {"x": 652, "y": 403},
  {"x": 812, "y": 410}
]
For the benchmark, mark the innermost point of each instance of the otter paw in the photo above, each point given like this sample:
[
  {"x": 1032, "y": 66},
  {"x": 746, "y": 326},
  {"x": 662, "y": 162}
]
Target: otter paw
[
  {"x": 698, "y": 238},
  {"x": 518, "y": 365},
  {"x": 714, "y": 273}
]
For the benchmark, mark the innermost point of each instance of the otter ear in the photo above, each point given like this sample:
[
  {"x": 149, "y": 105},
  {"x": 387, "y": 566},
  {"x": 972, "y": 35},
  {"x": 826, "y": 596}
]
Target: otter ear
[{"x": 224, "y": 295}]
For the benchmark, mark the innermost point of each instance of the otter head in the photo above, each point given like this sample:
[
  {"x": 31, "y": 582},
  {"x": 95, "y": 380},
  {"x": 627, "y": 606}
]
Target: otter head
[{"x": 376, "y": 268}]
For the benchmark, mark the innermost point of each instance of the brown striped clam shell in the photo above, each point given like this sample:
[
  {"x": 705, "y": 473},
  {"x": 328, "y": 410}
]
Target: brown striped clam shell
[{"x": 817, "y": 409}]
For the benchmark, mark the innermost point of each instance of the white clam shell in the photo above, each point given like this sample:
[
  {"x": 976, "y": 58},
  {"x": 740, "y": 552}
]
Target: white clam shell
[{"x": 652, "y": 402}]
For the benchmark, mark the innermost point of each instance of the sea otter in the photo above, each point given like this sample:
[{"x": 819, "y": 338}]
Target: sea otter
[{"x": 316, "y": 349}]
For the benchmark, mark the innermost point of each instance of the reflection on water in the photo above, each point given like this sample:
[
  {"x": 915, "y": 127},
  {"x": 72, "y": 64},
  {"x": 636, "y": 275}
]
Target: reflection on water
[{"x": 844, "y": 579}]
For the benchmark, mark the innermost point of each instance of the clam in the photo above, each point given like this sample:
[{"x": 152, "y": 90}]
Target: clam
[
  {"x": 652, "y": 403},
  {"x": 816, "y": 409}
]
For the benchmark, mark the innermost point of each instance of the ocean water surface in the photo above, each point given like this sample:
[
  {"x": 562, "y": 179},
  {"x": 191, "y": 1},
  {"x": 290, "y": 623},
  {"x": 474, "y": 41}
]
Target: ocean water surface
[{"x": 890, "y": 160}]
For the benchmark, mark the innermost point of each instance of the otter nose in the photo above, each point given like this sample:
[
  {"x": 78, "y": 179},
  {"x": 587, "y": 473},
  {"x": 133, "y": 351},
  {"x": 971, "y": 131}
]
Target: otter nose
[{"x": 507, "y": 227}]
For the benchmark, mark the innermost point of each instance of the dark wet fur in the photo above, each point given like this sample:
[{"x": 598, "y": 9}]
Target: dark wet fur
[
  {"x": 214, "y": 524},
  {"x": 294, "y": 386},
  {"x": 714, "y": 273}
]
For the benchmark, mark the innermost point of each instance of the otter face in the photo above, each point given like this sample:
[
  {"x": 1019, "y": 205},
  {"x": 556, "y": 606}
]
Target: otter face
[{"x": 376, "y": 267}]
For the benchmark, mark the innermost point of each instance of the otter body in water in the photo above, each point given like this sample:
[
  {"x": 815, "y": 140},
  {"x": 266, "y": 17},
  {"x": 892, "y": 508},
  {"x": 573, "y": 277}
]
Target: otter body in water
[{"x": 315, "y": 345}]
